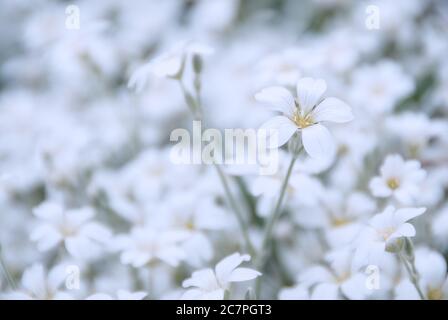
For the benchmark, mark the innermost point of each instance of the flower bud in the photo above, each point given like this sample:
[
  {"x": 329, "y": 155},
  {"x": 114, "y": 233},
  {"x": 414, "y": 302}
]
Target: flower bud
[
  {"x": 409, "y": 250},
  {"x": 197, "y": 63},
  {"x": 395, "y": 245}
]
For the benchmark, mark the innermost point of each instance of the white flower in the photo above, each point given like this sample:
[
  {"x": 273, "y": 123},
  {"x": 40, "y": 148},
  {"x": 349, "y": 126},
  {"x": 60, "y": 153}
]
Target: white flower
[
  {"x": 340, "y": 276},
  {"x": 144, "y": 245},
  {"x": 431, "y": 267},
  {"x": 400, "y": 179},
  {"x": 211, "y": 284},
  {"x": 121, "y": 295},
  {"x": 81, "y": 237},
  {"x": 168, "y": 65},
  {"x": 195, "y": 215},
  {"x": 305, "y": 115},
  {"x": 377, "y": 88},
  {"x": 37, "y": 284},
  {"x": 415, "y": 130},
  {"x": 382, "y": 233},
  {"x": 341, "y": 216}
]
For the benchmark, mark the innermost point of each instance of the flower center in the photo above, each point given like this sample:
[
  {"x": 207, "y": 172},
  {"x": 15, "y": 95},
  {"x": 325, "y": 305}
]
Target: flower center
[
  {"x": 189, "y": 225},
  {"x": 435, "y": 294},
  {"x": 386, "y": 233},
  {"x": 393, "y": 183},
  {"x": 340, "y": 221},
  {"x": 302, "y": 121}
]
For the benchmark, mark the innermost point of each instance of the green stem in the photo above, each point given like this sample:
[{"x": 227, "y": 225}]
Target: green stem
[
  {"x": 264, "y": 252},
  {"x": 8, "y": 276},
  {"x": 196, "y": 110},
  {"x": 238, "y": 214},
  {"x": 413, "y": 274}
]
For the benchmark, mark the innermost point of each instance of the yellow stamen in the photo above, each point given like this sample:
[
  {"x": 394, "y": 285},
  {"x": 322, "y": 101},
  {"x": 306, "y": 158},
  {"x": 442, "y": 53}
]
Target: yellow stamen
[
  {"x": 302, "y": 121},
  {"x": 339, "y": 222},
  {"x": 393, "y": 183},
  {"x": 435, "y": 294}
]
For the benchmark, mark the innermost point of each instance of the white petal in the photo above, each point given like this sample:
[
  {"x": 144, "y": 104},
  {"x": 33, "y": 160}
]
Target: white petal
[
  {"x": 318, "y": 142},
  {"x": 243, "y": 274},
  {"x": 139, "y": 78},
  {"x": 56, "y": 277},
  {"x": 431, "y": 267},
  {"x": 278, "y": 99},
  {"x": 405, "y": 214},
  {"x": 333, "y": 110},
  {"x": 168, "y": 67},
  {"x": 99, "y": 296},
  {"x": 192, "y": 294},
  {"x": 49, "y": 211},
  {"x": 379, "y": 188},
  {"x": 279, "y": 130},
  {"x": 34, "y": 281},
  {"x": 405, "y": 230},
  {"x": 225, "y": 267},
  {"x": 325, "y": 291},
  {"x": 309, "y": 91},
  {"x": 354, "y": 288},
  {"x": 213, "y": 295},
  {"x": 204, "y": 279},
  {"x": 126, "y": 295}
]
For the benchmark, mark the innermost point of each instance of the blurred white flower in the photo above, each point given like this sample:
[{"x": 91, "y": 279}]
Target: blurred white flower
[
  {"x": 195, "y": 215},
  {"x": 168, "y": 65},
  {"x": 121, "y": 295},
  {"x": 145, "y": 245},
  {"x": 376, "y": 89},
  {"x": 81, "y": 237},
  {"x": 415, "y": 131},
  {"x": 341, "y": 217},
  {"x": 383, "y": 232},
  {"x": 399, "y": 179},
  {"x": 340, "y": 279},
  {"x": 38, "y": 284},
  {"x": 211, "y": 284},
  {"x": 304, "y": 115},
  {"x": 431, "y": 267}
]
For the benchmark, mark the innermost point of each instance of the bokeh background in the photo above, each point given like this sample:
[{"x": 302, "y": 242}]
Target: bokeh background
[{"x": 75, "y": 138}]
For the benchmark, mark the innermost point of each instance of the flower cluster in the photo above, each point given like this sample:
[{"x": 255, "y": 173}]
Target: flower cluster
[{"x": 355, "y": 105}]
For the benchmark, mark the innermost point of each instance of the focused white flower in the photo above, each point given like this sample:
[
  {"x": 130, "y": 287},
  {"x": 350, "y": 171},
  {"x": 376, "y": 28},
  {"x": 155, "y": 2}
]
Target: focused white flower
[
  {"x": 121, "y": 295},
  {"x": 399, "y": 179},
  {"x": 382, "y": 233},
  {"x": 145, "y": 245},
  {"x": 81, "y": 237},
  {"x": 304, "y": 115},
  {"x": 211, "y": 284},
  {"x": 37, "y": 284}
]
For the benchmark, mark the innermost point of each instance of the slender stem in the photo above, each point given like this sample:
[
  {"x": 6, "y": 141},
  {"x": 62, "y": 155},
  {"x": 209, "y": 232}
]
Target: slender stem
[
  {"x": 278, "y": 206},
  {"x": 413, "y": 274},
  {"x": 196, "y": 110},
  {"x": 8, "y": 276},
  {"x": 236, "y": 210},
  {"x": 263, "y": 254}
]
